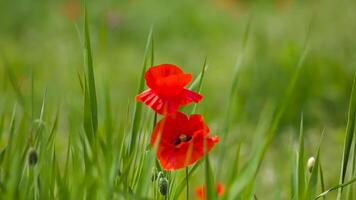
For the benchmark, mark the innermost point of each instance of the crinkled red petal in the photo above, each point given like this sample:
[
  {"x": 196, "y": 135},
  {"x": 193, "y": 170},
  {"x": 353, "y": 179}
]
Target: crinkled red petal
[
  {"x": 167, "y": 106},
  {"x": 161, "y": 71},
  {"x": 172, "y": 85},
  {"x": 167, "y": 79},
  {"x": 187, "y": 96},
  {"x": 151, "y": 99}
]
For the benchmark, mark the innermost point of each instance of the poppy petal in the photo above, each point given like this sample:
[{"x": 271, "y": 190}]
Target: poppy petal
[
  {"x": 196, "y": 122},
  {"x": 166, "y": 106},
  {"x": 187, "y": 97},
  {"x": 152, "y": 100},
  {"x": 167, "y": 79},
  {"x": 171, "y": 105},
  {"x": 185, "y": 153},
  {"x": 161, "y": 71},
  {"x": 169, "y": 126},
  {"x": 172, "y": 151}
]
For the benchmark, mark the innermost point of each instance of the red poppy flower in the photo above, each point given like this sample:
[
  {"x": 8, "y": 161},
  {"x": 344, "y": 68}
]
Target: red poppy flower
[
  {"x": 201, "y": 191},
  {"x": 181, "y": 140},
  {"x": 166, "y": 91}
]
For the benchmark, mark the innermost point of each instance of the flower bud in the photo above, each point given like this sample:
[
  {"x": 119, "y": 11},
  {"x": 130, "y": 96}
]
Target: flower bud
[
  {"x": 32, "y": 157},
  {"x": 163, "y": 186},
  {"x": 160, "y": 175},
  {"x": 310, "y": 164}
]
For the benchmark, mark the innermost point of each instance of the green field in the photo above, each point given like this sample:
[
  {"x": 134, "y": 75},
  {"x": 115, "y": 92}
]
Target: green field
[{"x": 277, "y": 90}]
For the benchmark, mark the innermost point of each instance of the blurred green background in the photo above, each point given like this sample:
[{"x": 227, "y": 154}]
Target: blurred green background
[{"x": 42, "y": 39}]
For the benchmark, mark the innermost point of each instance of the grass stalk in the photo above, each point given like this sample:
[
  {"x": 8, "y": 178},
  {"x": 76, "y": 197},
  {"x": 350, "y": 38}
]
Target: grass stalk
[
  {"x": 137, "y": 112},
  {"x": 187, "y": 182},
  {"x": 350, "y": 131}
]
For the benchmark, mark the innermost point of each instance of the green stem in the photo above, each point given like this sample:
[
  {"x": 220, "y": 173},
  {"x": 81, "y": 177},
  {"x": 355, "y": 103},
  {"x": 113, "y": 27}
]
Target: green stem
[
  {"x": 155, "y": 188},
  {"x": 154, "y": 121},
  {"x": 187, "y": 181}
]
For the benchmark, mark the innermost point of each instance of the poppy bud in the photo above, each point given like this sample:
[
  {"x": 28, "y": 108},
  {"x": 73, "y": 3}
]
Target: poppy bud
[
  {"x": 160, "y": 175},
  {"x": 32, "y": 157},
  {"x": 163, "y": 186},
  {"x": 310, "y": 164}
]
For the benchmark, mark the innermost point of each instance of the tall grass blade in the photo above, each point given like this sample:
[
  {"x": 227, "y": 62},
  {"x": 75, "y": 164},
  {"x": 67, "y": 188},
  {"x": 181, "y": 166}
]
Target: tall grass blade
[
  {"x": 210, "y": 188},
  {"x": 180, "y": 187},
  {"x": 301, "y": 163},
  {"x": 322, "y": 182},
  {"x": 15, "y": 84},
  {"x": 350, "y": 191},
  {"x": 350, "y": 131},
  {"x": 90, "y": 101},
  {"x": 313, "y": 179},
  {"x": 232, "y": 93},
  {"x": 249, "y": 172},
  {"x": 88, "y": 120},
  {"x": 294, "y": 177},
  {"x": 2, "y": 122},
  {"x": 234, "y": 170},
  {"x": 11, "y": 143},
  {"x": 335, "y": 188},
  {"x": 200, "y": 83},
  {"x": 144, "y": 179},
  {"x": 137, "y": 112}
]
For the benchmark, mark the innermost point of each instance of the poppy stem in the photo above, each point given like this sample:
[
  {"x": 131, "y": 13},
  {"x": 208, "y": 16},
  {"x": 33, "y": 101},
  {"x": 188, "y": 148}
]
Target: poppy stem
[
  {"x": 187, "y": 181},
  {"x": 154, "y": 120},
  {"x": 158, "y": 166}
]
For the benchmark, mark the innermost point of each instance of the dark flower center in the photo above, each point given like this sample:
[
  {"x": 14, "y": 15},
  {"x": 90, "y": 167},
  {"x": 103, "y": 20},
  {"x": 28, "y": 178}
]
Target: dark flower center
[{"x": 182, "y": 138}]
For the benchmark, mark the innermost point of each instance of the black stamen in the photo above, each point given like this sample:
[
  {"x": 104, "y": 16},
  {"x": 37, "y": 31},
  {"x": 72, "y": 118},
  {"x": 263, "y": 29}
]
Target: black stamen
[{"x": 182, "y": 138}]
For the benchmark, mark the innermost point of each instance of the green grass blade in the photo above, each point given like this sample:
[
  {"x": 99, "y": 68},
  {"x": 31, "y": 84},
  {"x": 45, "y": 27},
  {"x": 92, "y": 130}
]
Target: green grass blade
[
  {"x": 294, "y": 177},
  {"x": 209, "y": 180},
  {"x": 313, "y": 179},
  {"x": 11, "y": 143},
  {"x": 232, "y": 94},
  {"x": 88, "y": 120},
  {"x": 350, "y": 130},
  {"x": 137, "y": 112},
  {"x": 196, "y": 81},
  {"x": 15, "y": 84},
  {"x": 180, "y": 187},
  {"x": 234, "y": 170},
  {"x": 322, "y": 182},
  {"x": 301, "y": 163},
  {"x": 152, "y": 51},
  {"x": 90, "y": 101},
  {"x": 236, "y": 76},
  {"x": 2, "y": 122},
  {"x": 51, "y": 138},
  {"x": 200, "y": 83},
  {"x": 335, "y": 188},
  {"x": 249, "y": 172},
  {"x": 108, "y": 114},
  {"x": 80, "y": 79},
  {"x": 350, "y": 191}
]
